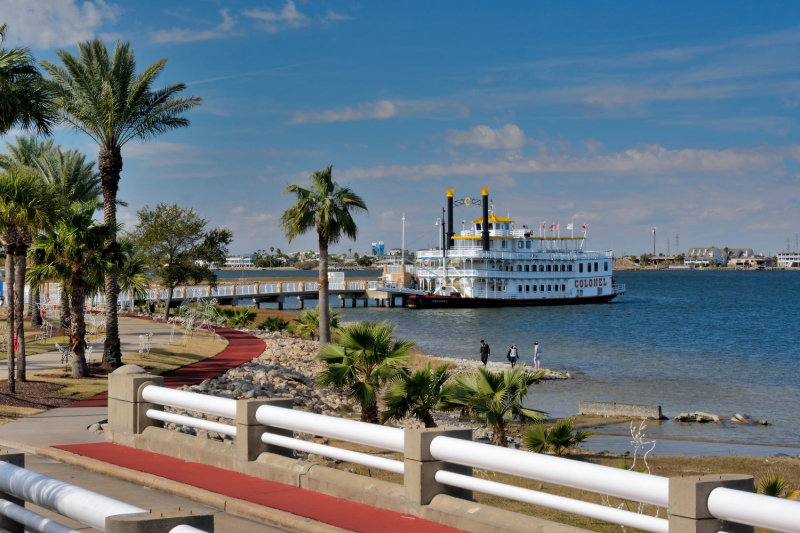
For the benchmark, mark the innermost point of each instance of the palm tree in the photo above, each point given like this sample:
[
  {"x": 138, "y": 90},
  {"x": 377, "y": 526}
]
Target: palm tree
[
  {"x": 25, "y": 151},
  {"x": 327, "y": 207},
  {"x": 26, "y": 206},
  {"x": 364, "y": 356},
  {"x": 131, "y": 270},
  {"x": 557, "y": 439},
  {"x": 80, "y": 253},
  {"x": 100, "y": 94},
  {"x": 497, "y": 396},
  {"x": 416, "y": 394},
  {"x": 307, "y": 324},
  {"x": 25, "y": 98}
]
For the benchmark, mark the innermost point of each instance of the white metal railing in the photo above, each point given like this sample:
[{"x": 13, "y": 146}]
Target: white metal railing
[
  {"x": 754, "y": 510},
  {"x": 396, "y": 269},
  {"x": 72, "y": 502},
  {"x": 291, "y": 287},
  {"x": 496, "y": 274},
  {"x": 726, "y": 504},
  {"x": 196, "y": 292},
  {"x": 268, "y": 288},
  {"x": 311, "y": 286},
  {"x": 336, "y": 286},
  {"x": 477, "y": 253},
  {"x": 222, "y": 290},
  {"x": 354, "y": 285},
  {"x": 619, "y": 288},
  {"x": 246, "y": 289}
]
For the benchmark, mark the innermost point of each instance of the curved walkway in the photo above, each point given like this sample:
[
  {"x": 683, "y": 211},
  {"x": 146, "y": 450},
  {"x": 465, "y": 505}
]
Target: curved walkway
[{"x": 242, "y": 347}]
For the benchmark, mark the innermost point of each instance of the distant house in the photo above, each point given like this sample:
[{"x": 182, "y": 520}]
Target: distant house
[
  {"x": 789, "y": 259},
  {"x": 703, "y": 256},
  {"x": 239, "y": 261},
  {"x": 395, "y": 251}
]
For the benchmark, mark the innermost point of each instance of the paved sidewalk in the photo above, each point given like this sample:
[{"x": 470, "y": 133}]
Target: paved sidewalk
[
  {"x": 129, "y": 331},
  {"x": 133, "y": 494}
]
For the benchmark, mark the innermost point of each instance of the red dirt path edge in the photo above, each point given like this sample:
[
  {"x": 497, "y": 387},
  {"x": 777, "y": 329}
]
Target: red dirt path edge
[
  {"x": 242, "y": 347},
  {"x": 352, "y": 516}
]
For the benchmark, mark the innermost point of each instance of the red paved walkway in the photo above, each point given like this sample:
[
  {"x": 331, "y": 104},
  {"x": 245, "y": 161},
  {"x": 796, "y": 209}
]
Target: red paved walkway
[
  {"x": 300, "y": 502},
  {"x": 242, "y": 347}
]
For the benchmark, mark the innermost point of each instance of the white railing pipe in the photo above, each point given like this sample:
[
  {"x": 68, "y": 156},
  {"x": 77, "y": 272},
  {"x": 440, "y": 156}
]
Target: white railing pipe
[
  {"x": 398, "y": 467},
  {"x": 756, "y": 510},
  {"x": 623, "y": 484},
  {"x": 329, "y": 426},
  {"x": 32, "y": 520},
  {"x": 191, "y": 401},
  {"x": 551, "y": 501},
  {"x": 67, "y": 500},
  {"x": 183, "y": 528},
  {"x": 198, "y": 423}
]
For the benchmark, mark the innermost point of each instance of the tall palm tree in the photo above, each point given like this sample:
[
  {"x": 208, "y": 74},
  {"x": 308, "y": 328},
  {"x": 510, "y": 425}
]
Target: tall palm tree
[
  {"x": 364, "y": 356},
  {"x": 26, "y": 206},
  {"x": 328, "y": 208},
  {"x": 416, "y": 394},
  {"x": 25, "y": 100},
  {"x": 100, "y": 94},
  {"x": 131, "y": 270},
  {"x": 497, "y": 396},
  {"x": 79, "y": 252}
]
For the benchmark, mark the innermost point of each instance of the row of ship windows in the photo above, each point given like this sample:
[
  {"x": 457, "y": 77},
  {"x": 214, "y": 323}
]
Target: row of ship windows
[
  {"x": 541, "y": 288},
  {"x": 564, "y": 268}
]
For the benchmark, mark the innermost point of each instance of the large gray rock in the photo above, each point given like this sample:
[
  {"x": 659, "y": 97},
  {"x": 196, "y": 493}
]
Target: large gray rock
[{"x": 130, "y": 369}]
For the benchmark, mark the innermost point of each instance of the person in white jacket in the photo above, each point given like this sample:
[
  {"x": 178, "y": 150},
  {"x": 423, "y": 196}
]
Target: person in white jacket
[{"x": 537, "y": 351}]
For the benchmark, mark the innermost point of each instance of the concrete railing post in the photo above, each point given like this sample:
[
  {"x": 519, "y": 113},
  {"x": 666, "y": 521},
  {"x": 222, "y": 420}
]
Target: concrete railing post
[
  {"x": 248, "y": 430},
  {"x": 126, "y": 408},
  {"x": 158, "y": 522},
  {"x": 6, "y": 524},
  {"x": 688, "y": 503},
  {"x": 420, "y": 466}
]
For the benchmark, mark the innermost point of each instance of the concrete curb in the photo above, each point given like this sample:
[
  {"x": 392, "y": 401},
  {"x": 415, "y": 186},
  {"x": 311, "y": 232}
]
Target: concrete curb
[{"x": 234, "y": 506}]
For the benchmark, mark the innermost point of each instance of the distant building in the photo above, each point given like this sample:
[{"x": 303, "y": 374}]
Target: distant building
[
  {"x": 239, "y": 261},
  {"x": 395, "y": 251},
  {"x": 789, "y": 259},
  {"x": 703, "y": 256}
]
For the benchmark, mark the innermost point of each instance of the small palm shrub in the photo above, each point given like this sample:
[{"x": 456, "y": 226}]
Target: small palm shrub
[
  {"x": 415, "y": 394},
  {"x": 273, "y": 323},
  {"x": 307, "y": 324},
  {"x": 771, "y": 481},
  {"x": 556, "y": 439},
  {"x": 241, "y": 317}
]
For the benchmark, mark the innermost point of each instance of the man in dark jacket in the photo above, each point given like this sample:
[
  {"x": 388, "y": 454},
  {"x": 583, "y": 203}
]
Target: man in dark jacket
[{"x": 484, "y": 352}]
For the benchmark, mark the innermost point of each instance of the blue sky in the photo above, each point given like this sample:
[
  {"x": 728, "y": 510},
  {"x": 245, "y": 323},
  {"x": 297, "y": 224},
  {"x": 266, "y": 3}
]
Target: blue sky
[{"x": 623, "y": 115}]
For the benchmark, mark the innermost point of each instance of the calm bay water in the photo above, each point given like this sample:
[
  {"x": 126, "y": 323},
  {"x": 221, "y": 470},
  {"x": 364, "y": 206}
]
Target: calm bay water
[{"x": 718, "y": 342}]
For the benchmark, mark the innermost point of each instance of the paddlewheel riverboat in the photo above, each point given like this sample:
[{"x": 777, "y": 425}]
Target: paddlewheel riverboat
[{"x": 492, "y": 263}]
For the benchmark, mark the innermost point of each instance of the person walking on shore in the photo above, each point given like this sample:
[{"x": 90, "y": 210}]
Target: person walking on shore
[
  {"x": 512, "y": 355},
  {"x": 537, "y": 351},
  {"x": 485, "y": 352}
]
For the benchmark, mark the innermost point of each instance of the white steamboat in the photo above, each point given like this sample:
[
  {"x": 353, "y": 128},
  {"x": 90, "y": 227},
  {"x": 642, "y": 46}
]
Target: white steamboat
[{"x": 492, "y": 264}]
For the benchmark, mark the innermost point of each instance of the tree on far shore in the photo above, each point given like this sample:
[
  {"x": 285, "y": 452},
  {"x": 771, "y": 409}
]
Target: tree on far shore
[
  {"x": 178, "y": 248},
  {"x": 100, "y": 94},
  {"x": 327, "y": 208}
]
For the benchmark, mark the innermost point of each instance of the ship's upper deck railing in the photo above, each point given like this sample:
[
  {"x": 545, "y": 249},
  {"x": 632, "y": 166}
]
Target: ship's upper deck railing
[{"x": 536, "y": 255}]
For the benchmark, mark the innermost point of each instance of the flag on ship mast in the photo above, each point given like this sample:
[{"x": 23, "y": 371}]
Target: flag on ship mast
[
  {"x": 569, "y": 227},
  {"x": 583, "y": 229}
]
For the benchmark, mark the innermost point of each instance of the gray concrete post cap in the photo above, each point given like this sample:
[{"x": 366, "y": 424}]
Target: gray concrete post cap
[{"x": 130, "y": 369}]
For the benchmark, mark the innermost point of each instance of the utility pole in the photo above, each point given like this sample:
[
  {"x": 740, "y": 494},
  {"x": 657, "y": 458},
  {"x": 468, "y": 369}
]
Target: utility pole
[
  {"x": 667, "y": 247},
  {"x": 654, "y": 244},
  {"x": 403, "y": 242},
  {"x": 788, "y": 249},
  {"x": 677, "y": 246}
]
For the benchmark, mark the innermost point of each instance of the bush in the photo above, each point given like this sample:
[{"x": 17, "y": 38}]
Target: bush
[
  {"x": 557, "y": 439},
  {"x": 273, "y": 324},
  {"x": 240, "y": 317}
]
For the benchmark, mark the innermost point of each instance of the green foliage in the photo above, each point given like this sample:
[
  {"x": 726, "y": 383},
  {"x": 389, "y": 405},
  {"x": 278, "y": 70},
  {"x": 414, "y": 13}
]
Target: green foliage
[
  {"x": 273, "y": 323},
  {"x": 364, "y": 260},
  {"x": 556, "y": 439},
  {"x": 497, "y": 396},
  {"x": 415, "y": 394},
  {"x": 364, "y": 356},
  {"x": 307, "y": 324},
  {"x": 623, "y": 465},
  {"x": 25, "y": 97},
  {"x": 242, "y": 317},
  {"x": 771, "y": 481},
  {"x": 177, "y": 246}
]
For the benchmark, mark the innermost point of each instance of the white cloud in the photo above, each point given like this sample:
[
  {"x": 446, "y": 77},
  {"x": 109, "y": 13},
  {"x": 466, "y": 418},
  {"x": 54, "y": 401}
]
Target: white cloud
[
  {"x": 45, "y": 24},
  {"x": 379, "y": 110},
  {"x": 646, "y": 159},
  {"x": 273, "y": 22},
  {"x": 330, "y": 16},
  {"x": 509, "y": 137},
  {"x": 238, "y": 209},
  {"x": 182, "y": 35}
]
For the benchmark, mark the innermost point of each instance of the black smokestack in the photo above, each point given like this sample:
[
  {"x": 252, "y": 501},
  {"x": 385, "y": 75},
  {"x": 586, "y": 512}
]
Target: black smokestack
[
  {"x": 449, "y": 240},
  {"x": 485, "y": 226}
]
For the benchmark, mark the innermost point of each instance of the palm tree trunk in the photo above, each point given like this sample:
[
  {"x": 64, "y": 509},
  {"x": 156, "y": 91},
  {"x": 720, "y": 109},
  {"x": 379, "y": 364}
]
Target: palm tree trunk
[
  {"x": 324, "y": 314},
  {"x": 33, "y": 308},
  {"x": 10, "y": 278},
  {"x": 110, "y": 166},
  {"x": 77, "y": 330},
  {"x": 499, "y": 435},
  {"x": 167, "y": 305},
  {"x": 369, "y": 412},
  {"x": 429, "y": 421},
  {"x": 19, "y": 310}
]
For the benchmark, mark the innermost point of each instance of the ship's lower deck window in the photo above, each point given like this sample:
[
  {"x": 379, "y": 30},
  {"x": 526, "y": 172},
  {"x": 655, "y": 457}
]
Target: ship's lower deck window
[
  {"x": 569, "y": 268},
  {"x": 519, "y": 268},
  {"x": 548, "y": 268},
  {"x": 527, "y": 268},
  {"x": 534, "y": 288},
  {"x": 563, "y": 287},
  {"x": 606, "y": 266},
  {"x": 541, "y": 268},
  {"x": 527, "y": 288},
  {"x": 563, "y": 268},
  {"x": 580, "y": 267},
  {"x": 541, "y": 288},
  {"x": 549, "y": 288}
]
